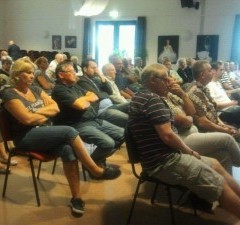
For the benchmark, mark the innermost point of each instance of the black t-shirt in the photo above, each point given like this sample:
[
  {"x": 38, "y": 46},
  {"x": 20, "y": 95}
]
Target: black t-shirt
[
  {"x": 18, "y": 129},
  {"x": 65, "y": 96}
]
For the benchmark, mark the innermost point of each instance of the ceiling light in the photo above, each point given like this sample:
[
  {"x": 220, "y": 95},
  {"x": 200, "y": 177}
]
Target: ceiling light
[
  {"x": 113, "y": 14},
  {"x": 91, "y": 8}
]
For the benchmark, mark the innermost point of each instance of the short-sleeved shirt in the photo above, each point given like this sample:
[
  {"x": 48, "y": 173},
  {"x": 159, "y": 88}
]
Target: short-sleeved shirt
[
  {"x": 203, "y": 102},
  {"x": 218, "y": 93},
  {"x": 17, "y": 129},
  {"x": 39, "y": 73},
  {"x": 65, "y": 96},
  {"x": 146, "y": 110},
  {"x": 225, "y": 78},
  {"x": 175, "y": 103}
]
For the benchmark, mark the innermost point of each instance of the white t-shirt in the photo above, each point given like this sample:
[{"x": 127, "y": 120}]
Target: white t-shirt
[{"x": 217, "y": 92}]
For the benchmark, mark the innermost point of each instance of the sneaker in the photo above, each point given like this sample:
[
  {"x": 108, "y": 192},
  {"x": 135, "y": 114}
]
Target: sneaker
[
  {"x": 77, "y": 205},
  {"x": 109, "y": 173}
]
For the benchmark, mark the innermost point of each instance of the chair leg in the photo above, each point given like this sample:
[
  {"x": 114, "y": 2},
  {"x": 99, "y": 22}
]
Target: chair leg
[
  {"x": 6, "y": 175},
  {"x": 134, "y": 201},
  {"x": 39, "y": 169},
  {"x": 154, "y": 194},
  {"x": 170, "y": 205},
  {"x": 84, "y": 173},
  {"x": 34, "y": 182},
  {"x": 54, "y": 166}
]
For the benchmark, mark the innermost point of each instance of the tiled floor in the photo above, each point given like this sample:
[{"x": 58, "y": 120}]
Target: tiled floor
[{"x": 107, "y": 202}]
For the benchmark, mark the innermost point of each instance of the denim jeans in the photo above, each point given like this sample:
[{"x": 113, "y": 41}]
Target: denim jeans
[
  {"x": 106, "y": 136},
  {"x": 116, "y": 114},
  {"x": 231, "y": 116},
  {"x": 50, "y": 139}
]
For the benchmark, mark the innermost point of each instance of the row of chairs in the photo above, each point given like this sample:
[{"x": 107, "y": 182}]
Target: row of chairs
[
  {"x": 34, "y": 54},
  {"x": 50, "y": 55}
]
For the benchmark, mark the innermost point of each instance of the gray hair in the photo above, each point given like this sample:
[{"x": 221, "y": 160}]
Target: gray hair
[
  {"x": 198, "y": 67},
  {"x": 151, "y": 71}
]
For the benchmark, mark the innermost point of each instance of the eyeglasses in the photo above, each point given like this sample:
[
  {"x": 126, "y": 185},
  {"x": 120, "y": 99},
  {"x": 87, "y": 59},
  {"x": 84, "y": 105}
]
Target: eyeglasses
[
  {"x": 28, "y": 72},
  {"x": 70, "y": 71},
  {"x": 161, "y": 78}
]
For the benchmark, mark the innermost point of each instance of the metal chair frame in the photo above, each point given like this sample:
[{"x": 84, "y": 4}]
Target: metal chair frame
[
  {"x": 30, "y": 155},
  {"x": 144, "y": 177}
]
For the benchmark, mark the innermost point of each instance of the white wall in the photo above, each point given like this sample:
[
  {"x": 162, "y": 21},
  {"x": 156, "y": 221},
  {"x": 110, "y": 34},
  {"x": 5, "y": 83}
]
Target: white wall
[
  {"x": 2, "y": 41},
  {"x": 219, "y": 19},
  {"x": 32, "y": 22}
]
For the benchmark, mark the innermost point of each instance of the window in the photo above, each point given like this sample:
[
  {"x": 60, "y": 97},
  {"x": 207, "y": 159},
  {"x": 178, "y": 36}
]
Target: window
[{"x": 114, "y": 37}]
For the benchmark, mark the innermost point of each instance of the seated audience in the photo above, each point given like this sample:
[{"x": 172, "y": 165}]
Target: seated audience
[
  {"x": 217, "y": 91},
  {"x": 138, "y": 67},
  {"x": 76, "y": 65},
  {"x": 172, "y": 73},
  {"x": 41, "y": 78},
  {"x": 217, "y": 145},
  {"x": 120, "y": 80},
  {"x": 3, "y": 53},
  {"x": 188, "y": 70},
  {"x": 6, "y": 65},
  {"x": 53, "y": 64},
  {"x": 228, "y": 84},
  {"x": 225, "y": 76},
  {"x": 28, "y": 109},
  {"x": 182, "y": 65},
  {"x": 165, "y": 156},
  {"x": 110, "y": 73},
  {"x": 76, "y": 110},
  {"x": 130, "y": 64},
  {"x": 92, "y": 80},
  {"x": 206, "y": 117},
  {"x": 234, "y": 74},
  {"x": 132, "y": 78}
]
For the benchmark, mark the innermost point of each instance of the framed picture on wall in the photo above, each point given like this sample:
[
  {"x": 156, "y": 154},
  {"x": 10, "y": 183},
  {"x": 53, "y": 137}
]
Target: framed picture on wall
[
  {"x": 168, "y": 48},
  {"x": 70, "y": 41},
  {"x": 207, "y": 47},
  {"x": 56, "y": 42}
]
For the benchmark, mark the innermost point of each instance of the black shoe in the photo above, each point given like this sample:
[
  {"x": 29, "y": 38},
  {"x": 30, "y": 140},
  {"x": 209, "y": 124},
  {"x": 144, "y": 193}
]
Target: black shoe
[
  {"x": 109, "y": 173},
  {"x": 104, "y": 164},
  {"x": 77, "y": 205}
]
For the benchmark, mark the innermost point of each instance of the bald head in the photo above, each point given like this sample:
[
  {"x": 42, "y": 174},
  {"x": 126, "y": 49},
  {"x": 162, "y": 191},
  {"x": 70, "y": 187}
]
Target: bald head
[{"x": 59, "y": 57}]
